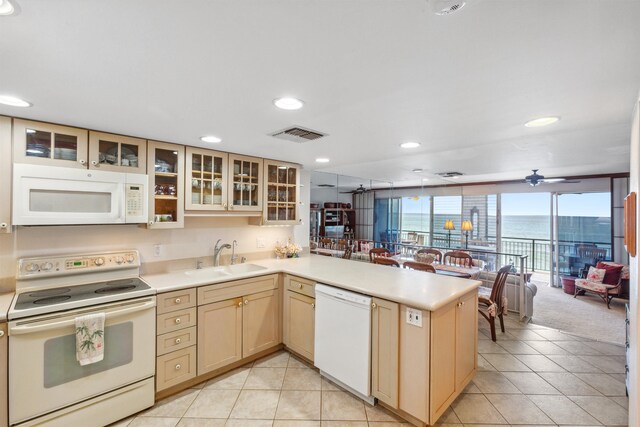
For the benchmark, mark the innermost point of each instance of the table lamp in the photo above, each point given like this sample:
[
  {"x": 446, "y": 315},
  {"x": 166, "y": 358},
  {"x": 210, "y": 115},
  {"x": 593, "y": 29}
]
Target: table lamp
[
  {"x": 448, "y": 225},
  {"x": 467, "y": 226}
]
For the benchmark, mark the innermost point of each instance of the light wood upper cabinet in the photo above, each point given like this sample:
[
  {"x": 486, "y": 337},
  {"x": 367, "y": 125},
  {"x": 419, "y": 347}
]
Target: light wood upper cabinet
[
  {"x": 245, "y": 183},
  {"x": 299, "y": 323},
  {"x": 5, "y": 175},
  {"x": 47, "y": 144},
  {"x": 206, "y": 180},
  {"x": 117, "y": 153},
  {"x": 219, "y": 334},
  {"x": 260, "y": 322},
  {"x": 166, "y": 185},
  {"x": 281, "y": 193},
  {"x": 384, "y": 351}
]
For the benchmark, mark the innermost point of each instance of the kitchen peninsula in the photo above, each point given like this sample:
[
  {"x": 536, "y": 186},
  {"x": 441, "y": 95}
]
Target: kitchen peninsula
[{"x": 250, "y": 310}]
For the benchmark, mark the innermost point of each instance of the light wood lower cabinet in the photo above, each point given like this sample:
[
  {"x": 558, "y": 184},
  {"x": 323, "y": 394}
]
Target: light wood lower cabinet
[
  {"x": 219, "y": 334},
  {"x": 299, "y": 323},
  {"x": 384, "y": 351},
  {"x": 438, "y": 359},
  {"x": 238, "y": 327},
  {"x": 4, "y": 355}
]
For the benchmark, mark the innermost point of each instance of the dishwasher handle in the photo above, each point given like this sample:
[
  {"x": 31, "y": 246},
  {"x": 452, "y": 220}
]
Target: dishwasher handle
[{"x": 69, "y": 320}]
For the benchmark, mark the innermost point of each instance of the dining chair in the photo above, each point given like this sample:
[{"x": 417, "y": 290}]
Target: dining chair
[
  {"x": 458, "y": 258},
  {"x": 386, "y": 261},
  {"x": 326, "y": 243},
  {"x": 414, "y": 265},
  {"x": 347, "y": 252},
  {"x": 491, "y": 303},
  {"x": 341, "y": 244},
  {"x": 433, "y": 252},
  {"x": 378, "y": 253}
]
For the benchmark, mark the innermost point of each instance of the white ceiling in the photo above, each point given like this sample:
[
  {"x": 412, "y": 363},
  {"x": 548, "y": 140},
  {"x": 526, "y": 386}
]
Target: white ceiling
[{"x": 372, "y": 73}]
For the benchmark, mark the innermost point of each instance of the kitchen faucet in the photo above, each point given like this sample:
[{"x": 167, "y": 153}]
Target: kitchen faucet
[{"x": 216, "y": 252}]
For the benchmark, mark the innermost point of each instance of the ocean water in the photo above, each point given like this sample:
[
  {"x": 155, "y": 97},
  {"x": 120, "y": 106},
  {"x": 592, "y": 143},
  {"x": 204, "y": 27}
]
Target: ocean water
[{"x": 574, "y": 229}]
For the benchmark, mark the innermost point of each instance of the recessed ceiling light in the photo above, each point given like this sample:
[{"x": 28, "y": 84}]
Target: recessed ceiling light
[
  {"x": 288, "y": 103},
  {"x": 410, "y": 144},
  {"x": 210, "y": 138},
  {"x": 6, "y": 8},
  {"x": 542, "y": 121},
  {"x": 425, "y": 179},
  {"x": 13, "y": 101},
  {"x": 417, "y": 170},
  {"x": 322, "y": 160}
]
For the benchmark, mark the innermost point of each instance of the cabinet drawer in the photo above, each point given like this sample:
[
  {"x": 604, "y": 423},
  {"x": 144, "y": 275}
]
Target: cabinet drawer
[
  {"x": 175, "y": 320},
  {"x": 175, "y": 367},
  {"x": 237, "y": 288},
  {"x": 177, "y": 300},
  {"x": 301, "y": 286},
  {"x": 177, "y": 340}
]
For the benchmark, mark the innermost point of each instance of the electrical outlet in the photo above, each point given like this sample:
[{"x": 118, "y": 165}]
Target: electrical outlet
[
  {"x": 414, "y": 317},
  {"x": 260, "y": 243},
  {"x": 156, "y": 250}
]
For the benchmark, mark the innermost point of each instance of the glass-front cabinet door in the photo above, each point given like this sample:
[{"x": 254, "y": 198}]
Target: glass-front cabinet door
[
  {"x": 245, "y": 183},
  {"x": 117, "y": 153},
  {"x": 47, "y": 144},
  {"x": 206, "y": 180},
  {"x": 165, "y": 167},
  {"x": 282, "y": 193}
]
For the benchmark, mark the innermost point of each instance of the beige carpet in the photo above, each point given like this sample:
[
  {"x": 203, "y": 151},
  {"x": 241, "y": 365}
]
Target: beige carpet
[{"x": 586, "y": 316}]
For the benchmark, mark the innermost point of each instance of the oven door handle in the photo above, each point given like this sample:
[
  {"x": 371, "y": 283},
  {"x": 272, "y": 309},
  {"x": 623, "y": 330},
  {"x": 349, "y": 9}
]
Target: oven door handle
[{"x": 46, "y": 325}]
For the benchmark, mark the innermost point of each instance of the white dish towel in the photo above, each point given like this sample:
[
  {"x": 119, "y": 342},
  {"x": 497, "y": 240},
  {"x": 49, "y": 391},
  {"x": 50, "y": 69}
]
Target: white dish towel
[{"x": 90, "y": 338}]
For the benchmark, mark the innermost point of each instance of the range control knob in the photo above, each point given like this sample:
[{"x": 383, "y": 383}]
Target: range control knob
[
  {"x": 119, "y": 260},
  {"x": 31, "y": 267},
  {"x": 130, "y": 258},
  {"x": 46, "y": 266},
  {"x": 99, "y": 261}
]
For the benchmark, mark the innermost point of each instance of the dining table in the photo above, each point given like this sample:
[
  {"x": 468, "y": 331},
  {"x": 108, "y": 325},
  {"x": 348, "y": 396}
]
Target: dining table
[{"x": 446, "y": 269}]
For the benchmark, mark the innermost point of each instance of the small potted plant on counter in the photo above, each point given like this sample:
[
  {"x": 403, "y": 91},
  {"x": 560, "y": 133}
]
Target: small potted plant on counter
[{"x": 287, "y": 250}]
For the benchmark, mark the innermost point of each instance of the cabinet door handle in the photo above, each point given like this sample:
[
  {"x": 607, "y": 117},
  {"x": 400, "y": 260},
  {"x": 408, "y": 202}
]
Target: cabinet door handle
[
  {"x": 178, "y": 321},
  {"x": 231, "y": 207},
  {"x": 246, "y": 302},
  {"x": 374, "y": 305},
  {"x": 240, "y": 303},
  {"x": 178, "y": 367},
  {"x": 82, "y": 161},
  {"x": 224, "y": 205},
  {"x": 94, "y": 163},
  {"x": 1, "y": 333},
  {"x": 313, "y": 305},
  {"x": 178, "y": 300},
  {"x": 5, "y": 225},
  {"x": 178, "y": 341}
]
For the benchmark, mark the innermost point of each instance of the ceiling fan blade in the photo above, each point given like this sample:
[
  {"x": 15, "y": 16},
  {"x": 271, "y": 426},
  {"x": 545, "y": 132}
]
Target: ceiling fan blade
[{"x": 552, "y": 180}]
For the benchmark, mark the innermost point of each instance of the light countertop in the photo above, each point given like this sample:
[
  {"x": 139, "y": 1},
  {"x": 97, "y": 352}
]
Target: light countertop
[
  {"x": 417, "y": 289},
  {"x": 5, "y": 302}
]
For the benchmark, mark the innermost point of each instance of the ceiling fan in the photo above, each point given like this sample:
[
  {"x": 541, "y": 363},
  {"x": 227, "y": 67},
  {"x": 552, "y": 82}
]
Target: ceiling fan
[
  {"x": 358, "y": 190},
  {"x": 535, "y": 178}
]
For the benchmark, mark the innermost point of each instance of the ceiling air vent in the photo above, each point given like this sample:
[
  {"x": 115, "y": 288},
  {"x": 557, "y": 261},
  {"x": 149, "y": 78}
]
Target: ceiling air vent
[
  {"x": 449, "y": 174},
  {"x": 298, "y": 134},
  {"x": 447, "y": 7}
]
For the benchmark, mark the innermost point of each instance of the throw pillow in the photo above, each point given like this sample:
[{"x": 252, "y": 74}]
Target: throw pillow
[
  {"x": 596, "y": 274},
  {"x": 612, "y": 273}
]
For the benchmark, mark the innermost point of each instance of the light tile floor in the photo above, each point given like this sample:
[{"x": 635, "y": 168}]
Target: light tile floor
[{"x": 533, "y": 376}]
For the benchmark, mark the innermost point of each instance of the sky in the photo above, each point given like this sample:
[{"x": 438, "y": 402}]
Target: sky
[{"x": 586, "y": 204}]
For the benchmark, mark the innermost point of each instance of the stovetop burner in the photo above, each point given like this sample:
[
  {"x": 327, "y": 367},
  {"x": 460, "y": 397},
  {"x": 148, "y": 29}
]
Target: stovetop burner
[
  {"x": 114, "y": 289},
  {"x": 49, "y": 292},
  {"x": 52, "y": 300}
]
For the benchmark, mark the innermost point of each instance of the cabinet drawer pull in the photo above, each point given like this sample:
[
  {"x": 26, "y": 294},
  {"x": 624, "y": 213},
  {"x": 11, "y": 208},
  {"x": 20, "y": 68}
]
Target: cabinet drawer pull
[
  {"x": 178, "y": 300},
  {"x": 178, "y": 340},
  {"x": 5, "y": 225},
  {"x": 178, "y": 367},
  {"x": 299, "y": 285},
  {"x": 178, "y": 321}
]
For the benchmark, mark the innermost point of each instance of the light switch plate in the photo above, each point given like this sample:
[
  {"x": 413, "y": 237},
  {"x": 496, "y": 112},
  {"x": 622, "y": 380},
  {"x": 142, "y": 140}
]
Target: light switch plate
[
  {"x": 260, "y": 243},
  {"x": 414, "y": 317}
]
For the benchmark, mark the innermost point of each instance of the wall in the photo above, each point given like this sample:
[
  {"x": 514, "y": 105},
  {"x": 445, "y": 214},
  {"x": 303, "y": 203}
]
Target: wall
[
  {"x": 196, "y": 240},
  {"x": 321, "y": 195},
  {"x": 634, "y": 295}
]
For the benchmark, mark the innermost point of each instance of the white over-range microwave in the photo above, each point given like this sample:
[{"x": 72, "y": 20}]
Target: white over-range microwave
[{"x": 52, "y": 195}]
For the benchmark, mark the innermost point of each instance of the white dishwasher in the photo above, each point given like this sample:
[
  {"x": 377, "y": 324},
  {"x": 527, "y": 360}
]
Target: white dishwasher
[{"x": 343, "y": 338}]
